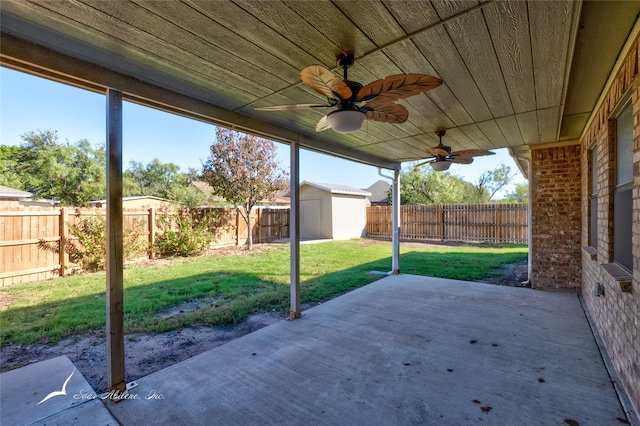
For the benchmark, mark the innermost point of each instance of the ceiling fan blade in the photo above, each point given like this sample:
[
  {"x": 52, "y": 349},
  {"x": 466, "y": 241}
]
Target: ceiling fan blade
[
  {"x": 398, "y": 86},
  {"x": 292, "y": 106},
  {"x": 323, "y": 124},
  {"x": 325, "y": 82},
  {"x": 387, "y": 113},
  {"x": 461, "y": 160},
  {"x": 472, "y": 152},
  {"x": 437, "y": 151}
]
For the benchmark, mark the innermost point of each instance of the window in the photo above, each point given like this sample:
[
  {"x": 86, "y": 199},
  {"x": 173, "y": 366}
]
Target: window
[
  {"x": 593, "y": 208},
  {"x": 622, "y": 206}
]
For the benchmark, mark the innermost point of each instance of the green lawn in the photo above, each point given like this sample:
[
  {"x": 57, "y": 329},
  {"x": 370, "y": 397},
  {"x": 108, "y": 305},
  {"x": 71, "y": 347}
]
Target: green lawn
[{"x": 225, "y": 288}]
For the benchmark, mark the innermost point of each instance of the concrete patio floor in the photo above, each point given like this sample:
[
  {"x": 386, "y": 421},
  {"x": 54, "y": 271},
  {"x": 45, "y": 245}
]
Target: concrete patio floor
[{"x": 402, "y": 350}]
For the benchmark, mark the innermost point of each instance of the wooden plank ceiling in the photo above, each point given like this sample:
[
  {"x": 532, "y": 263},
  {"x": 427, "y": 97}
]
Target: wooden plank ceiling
[{"x": 506, "y": 67}]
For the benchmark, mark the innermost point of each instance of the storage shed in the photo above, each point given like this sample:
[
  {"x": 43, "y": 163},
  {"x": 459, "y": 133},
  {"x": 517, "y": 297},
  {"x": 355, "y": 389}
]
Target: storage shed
[{"x": 333, "y": 211}]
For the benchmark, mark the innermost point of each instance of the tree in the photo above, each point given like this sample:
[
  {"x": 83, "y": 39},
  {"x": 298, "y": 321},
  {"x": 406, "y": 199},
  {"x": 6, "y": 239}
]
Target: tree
[
  {"x": 73, "y": 174},
  {"x": 243, "y": 170},
  {"x": 423, "y": 186},
  {"x": 8, "y": 159},
  {"x": 185, "y": 193},
  {"x": 155, "y": 179},
  {"x": 163, "y": 180},
  {"x": 519, "y": 195},
  {"x": 490, "y": 182}
]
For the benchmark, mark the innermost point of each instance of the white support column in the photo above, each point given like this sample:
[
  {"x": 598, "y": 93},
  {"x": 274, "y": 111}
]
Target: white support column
[
  {"x": 115, "y": 314},
  {"x": 294, "y": 231},
  {"x": 395, "y": 223},
  {"x": 529, "y": 231}
]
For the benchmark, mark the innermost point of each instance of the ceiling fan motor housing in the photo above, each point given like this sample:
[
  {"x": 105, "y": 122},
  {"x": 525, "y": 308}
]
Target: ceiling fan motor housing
[
  {"x": 440, "y": 166},
  {"x": 346, "y": 120}
]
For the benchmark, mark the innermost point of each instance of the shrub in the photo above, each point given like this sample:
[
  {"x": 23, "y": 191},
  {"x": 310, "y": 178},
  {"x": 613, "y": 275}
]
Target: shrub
[
  {"x": 91, "y": 233},
  {"x": 183, "y": 232},
  {"x": 90, "y": 250}
]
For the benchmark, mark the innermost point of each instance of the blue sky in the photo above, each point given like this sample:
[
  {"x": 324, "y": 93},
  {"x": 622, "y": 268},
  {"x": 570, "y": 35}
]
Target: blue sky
[{"x": 32, "y": 103}]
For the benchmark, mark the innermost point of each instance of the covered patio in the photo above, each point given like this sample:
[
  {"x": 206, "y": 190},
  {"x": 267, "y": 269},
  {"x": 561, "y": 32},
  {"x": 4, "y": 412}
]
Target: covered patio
[
  {"x": 402, "y": 350},
  {"x": 546, "y": 79}
]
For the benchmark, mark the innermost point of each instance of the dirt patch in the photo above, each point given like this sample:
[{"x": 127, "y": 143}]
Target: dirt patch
[
  {"x": 510, "y": 274},
  {"x": 6, "y": 300},
  {"x": 144, "y": 353},
  {"x": 190, "y": 306}
]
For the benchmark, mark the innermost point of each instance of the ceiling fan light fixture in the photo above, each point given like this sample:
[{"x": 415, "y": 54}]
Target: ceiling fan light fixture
[
  {"x": 346, "y": 120},
  {"x": 440, "y": 166}
]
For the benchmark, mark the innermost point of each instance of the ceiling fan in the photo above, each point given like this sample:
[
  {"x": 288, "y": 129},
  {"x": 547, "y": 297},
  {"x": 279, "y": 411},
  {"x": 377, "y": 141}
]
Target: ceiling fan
[
  {"x": 442, "y": 157},
  {"x": 354, "y": 102}
]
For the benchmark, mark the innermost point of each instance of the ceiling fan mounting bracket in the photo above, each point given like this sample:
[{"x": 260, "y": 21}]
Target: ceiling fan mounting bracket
[
  {"x": 345, "y": 59},
  {"x": 440, "y": 133}
]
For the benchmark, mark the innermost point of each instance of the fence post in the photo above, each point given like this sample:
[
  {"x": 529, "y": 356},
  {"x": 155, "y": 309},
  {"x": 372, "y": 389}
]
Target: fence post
[
  {"x": 441, "y": 215},
  {"x": 498, "y": 224},
  {"x": 152, "y": 232},
  {"x": 237, "y": 227},
  {"x": 64, "y": 229},
  {"x": 257, "y": 225}
]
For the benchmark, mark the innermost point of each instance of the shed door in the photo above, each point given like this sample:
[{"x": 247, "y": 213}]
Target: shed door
[{"x": 311, "y": 218}]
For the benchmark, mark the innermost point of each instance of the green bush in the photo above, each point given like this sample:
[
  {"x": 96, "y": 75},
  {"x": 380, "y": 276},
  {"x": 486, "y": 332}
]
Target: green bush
[
  {"x": 90, "y": 251},
  {"x": 183, "y": 232}
]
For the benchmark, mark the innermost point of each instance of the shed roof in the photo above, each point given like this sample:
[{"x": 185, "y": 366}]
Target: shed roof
[
  {"x": 336, "y": 188},
  {"x": 6, "y": 192}
]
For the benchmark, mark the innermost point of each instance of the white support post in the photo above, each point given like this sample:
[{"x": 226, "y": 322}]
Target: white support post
[
  {"x": 395, "y": 223},
  {"x": 115, "y": 314},
  {"x": 529, "y": 231},
  {"x": 294, "y": 231}
]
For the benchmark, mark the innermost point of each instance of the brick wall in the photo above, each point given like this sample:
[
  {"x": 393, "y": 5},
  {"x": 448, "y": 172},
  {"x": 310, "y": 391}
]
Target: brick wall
[
  {"x": 5, "y": 204},
  {"x": 616, "y": 313},
  {"x": 555, "y": 218}
]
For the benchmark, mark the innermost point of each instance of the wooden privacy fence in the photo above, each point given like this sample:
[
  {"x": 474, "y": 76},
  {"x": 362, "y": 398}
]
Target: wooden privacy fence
[
  {"x": 22, "y": 260},
  {"x": 496, "y": 223}
]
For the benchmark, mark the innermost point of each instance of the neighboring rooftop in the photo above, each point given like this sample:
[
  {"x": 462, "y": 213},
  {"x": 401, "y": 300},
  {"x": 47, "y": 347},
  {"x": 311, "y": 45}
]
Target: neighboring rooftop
[
  {"x": 6, "y": 192},
  {"x": 203, "y": 186},
  {"x": 336, "y": 188},
  {"x": 379, "y": 191}
]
